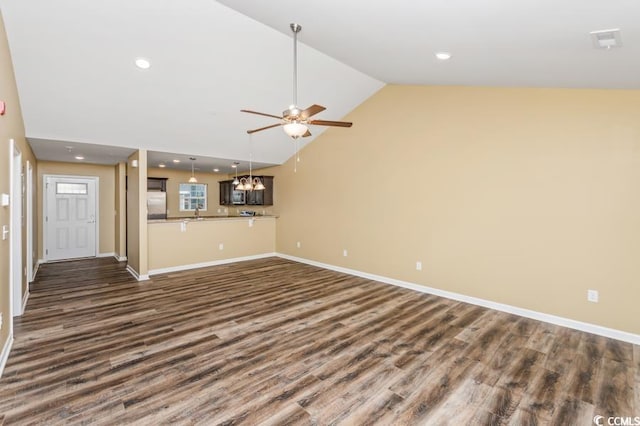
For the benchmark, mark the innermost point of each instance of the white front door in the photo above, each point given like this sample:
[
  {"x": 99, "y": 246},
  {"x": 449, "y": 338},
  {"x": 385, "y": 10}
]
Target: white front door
[{"x": 70, "y": 217}]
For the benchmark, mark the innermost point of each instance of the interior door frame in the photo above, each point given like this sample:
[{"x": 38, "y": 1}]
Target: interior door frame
[
  {"x": 45, "y": 207},
  {"x": 29, "y": 216},
  {"x": 15, "y": 235}
]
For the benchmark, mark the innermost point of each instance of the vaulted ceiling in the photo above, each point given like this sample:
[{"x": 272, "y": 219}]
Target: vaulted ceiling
[{"x": 74, "y": 62}]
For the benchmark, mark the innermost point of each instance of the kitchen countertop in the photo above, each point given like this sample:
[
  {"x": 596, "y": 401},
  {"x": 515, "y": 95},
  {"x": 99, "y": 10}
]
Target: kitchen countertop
[{"x": 208, "y": 218}]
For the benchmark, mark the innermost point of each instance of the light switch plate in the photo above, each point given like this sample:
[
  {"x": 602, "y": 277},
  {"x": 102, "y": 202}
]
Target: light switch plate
[{"x": 5, "y": 200}]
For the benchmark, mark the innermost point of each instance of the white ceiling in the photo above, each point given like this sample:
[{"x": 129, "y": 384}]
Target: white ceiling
[
  {"x": 109, "y": 155},
  {"x": 49, "y": 150},
  {"x": 530, "y": 43},
  {"x": 74, "y": 66},
  {"x": 77, "y": 83}
]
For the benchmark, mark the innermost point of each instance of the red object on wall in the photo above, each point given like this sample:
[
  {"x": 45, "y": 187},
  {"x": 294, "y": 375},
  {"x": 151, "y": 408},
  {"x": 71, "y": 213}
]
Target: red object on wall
[{"x": 2, "y": 106}]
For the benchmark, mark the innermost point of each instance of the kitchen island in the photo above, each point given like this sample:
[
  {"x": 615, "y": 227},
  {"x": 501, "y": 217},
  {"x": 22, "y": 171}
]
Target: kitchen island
[{"x": 185, "y": 243}]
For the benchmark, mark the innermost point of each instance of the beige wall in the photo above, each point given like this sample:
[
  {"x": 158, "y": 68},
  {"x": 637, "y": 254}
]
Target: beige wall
[
  {"x": 169, "y": 246},
  {"x": 11, "y": 127},
  {"x": 527, "y": 197},
  {"x": 137, "y": 255},
  {"x": 106, "y": 199}
]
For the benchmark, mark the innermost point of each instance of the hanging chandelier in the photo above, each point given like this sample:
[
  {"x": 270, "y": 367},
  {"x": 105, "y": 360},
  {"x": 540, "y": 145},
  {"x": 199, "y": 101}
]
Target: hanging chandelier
[{"x": 248, "y": 183}]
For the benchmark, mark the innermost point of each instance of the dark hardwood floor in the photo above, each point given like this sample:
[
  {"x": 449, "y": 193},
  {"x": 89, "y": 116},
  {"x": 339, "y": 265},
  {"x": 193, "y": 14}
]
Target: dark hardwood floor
[{"x": 276, "y": 342}]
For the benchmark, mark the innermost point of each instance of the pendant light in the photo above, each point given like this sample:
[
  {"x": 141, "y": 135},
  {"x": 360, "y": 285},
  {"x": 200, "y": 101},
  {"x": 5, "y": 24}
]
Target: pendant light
[
  {"x": 236, "y": 181},
  {"x": 192, "y": 179}
]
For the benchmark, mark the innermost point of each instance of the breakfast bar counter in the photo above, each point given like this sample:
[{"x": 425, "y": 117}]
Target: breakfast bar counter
[{"x": 187, "y": 242}]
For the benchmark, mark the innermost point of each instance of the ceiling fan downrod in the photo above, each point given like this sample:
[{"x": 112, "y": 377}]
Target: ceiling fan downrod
[{"x": 296, "y": 28}]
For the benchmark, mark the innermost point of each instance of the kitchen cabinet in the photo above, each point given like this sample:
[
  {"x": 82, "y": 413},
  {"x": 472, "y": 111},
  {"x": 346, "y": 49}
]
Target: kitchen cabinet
[
  {"x": 230, "y": 196},
  {"x": 225, "y": 192},
  {"x": 263, "y": 197}
]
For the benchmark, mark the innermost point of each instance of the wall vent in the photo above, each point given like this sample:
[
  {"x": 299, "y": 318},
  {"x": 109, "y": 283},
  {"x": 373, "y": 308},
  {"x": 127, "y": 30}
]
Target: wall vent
[{"x": 606, "y": 39}]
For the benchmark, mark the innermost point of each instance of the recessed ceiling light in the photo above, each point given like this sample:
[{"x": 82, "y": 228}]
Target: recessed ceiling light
[
  {"x": 79, "y": 157},
  {"x": 143, "y": 63},
  {"x": 216, "y": 170},
  {"x": 443, "y": 56},
  {"x": 176, "y": 161},
  {"x": 162, "y": 165}
]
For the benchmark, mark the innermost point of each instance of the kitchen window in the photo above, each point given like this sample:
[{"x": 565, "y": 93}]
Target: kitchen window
[{"x": 193, "y": 195}]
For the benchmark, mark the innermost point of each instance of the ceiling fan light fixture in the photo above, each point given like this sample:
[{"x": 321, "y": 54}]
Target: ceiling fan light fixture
[
  {"x": 295, "y": 129},
  {"x": 293, "y": 119}
]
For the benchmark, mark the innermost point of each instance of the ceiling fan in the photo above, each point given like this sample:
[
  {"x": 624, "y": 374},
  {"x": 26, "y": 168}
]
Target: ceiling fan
[{"x": 294, "y": 120}]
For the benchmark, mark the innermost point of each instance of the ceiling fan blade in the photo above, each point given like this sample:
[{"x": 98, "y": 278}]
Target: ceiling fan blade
[
  {"x": 261, "y": 113},
  {"x": 307, "y": 134},
  {"x": 312, "y": 110},
  {"x": 263, "y": 128},
  {"x": 330, "y": 123}
]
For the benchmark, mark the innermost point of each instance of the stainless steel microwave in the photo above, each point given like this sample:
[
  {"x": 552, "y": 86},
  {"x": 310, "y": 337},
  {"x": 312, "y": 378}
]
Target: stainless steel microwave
[{"x": 238, "y": 197}]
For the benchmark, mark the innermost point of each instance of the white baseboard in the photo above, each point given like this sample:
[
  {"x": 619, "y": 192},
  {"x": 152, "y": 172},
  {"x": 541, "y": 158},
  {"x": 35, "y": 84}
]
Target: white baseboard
[
  {"x": 540, "y": 316},
  {"x": 35, "y": 271},
  {"x": 211, "y": 263},
  {"x": 136, "y": 275},
  {"x": 25, "y": 298},
  {"x": 4, "y": 355},
  {"x": 112, "y": 254},
  {"x": 120, "y": 258}
]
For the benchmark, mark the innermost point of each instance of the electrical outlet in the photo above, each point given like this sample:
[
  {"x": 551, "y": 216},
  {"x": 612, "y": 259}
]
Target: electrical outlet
[
  {"x": 418, "y": 266},
  {"x": 298, "y": 244},
  {"x": 592, "y": 296},
  {"x": 250, "y": 223},
  {"x": 344, "y": 252},
  {"x": 220, "y": 246},
  {"x": 0, "y": 320}
]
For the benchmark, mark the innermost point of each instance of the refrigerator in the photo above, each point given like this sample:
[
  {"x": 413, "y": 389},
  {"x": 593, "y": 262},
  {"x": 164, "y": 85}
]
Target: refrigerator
[{"x": 156, "y": 205}]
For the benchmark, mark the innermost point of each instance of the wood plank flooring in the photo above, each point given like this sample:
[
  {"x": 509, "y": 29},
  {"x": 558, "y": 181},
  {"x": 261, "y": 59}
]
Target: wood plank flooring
[{"x": 276, "y": 342}]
